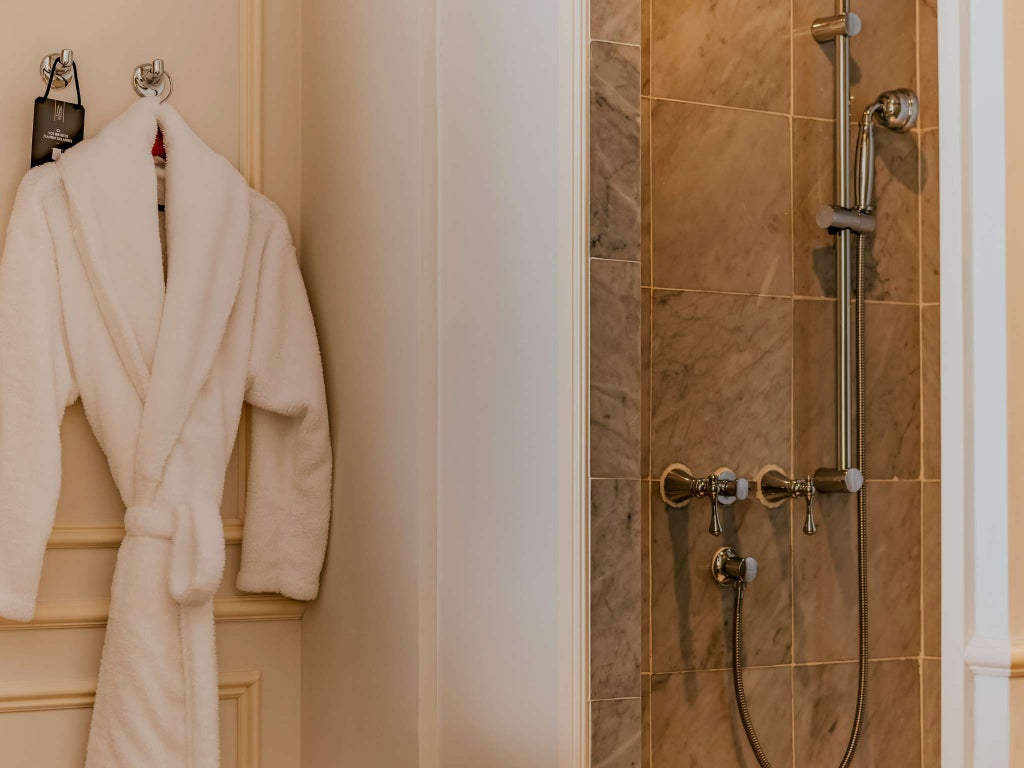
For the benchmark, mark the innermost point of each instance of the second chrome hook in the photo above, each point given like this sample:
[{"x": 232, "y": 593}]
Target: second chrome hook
[{"x": 151, "y": 79}]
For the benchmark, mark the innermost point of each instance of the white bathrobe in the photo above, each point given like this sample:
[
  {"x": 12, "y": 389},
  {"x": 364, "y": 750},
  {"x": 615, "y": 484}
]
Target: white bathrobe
[{"x": 162, "y": 373}]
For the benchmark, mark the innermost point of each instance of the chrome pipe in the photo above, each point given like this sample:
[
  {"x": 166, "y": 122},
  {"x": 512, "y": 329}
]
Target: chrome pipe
[{"x": 844, "y": 247}]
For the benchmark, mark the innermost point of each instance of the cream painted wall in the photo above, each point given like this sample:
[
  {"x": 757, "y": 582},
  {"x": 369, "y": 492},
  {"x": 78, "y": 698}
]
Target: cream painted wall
[
  {"x": 361, "y": 249},
  {"x": 501, "y": 203},
  {"x": 441, "y": 637}
]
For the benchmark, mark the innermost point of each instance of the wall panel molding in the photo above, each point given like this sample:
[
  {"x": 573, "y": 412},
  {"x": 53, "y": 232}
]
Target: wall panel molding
[
  {"x": 243, "y": 687},
  {"x": 251, "y": 101},
  {"x": 77, "y": 614},
  {"x": 110, "y": 536}
]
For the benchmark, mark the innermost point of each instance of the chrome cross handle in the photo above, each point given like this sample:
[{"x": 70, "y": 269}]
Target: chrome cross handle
[
  {"x": 774, "y": 487},
  {"x": 678, "y": 485}
]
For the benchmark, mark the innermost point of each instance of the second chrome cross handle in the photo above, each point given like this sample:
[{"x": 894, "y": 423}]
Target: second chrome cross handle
[{"x": 774, "y": 488}]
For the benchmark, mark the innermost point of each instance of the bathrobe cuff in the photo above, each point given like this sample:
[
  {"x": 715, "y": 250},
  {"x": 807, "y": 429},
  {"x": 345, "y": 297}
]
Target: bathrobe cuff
[
  {"x": 249, "y": 580},
  {"x": 17, "y": 607}
]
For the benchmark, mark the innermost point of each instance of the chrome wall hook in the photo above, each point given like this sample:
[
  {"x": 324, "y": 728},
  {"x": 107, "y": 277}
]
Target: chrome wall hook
[
  {"x": 152, "y": 80},
  {"x": 61, "y": 62}
]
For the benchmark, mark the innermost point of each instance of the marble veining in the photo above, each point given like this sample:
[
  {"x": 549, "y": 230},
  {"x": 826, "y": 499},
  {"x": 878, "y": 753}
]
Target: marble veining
[
  {"x": 931, "y": 392},
  {"x": 730, "y": 52},
  {"x": 891, "y": 263},
  {"x": 931, "y": 548},
  {"x": 824, "y": 698},
  {"x": 614, "y": 151},
  {"x": 893, "y": 388},
  {"x": 930, "y": 216},
  {"x": 721, "y": 381},
  {"x": 615, "y": 733},
  {"x": 814, "y": 271},
  {"x": 720, "y": 199},
  {"x": 931, "y": 714},
  {"x": 825, "y": 576},
  {"x": 694, "y": 722},
  {"x": 614, "y": 369},
  {"x": 616, "y": 21},
  {"x": 615, "y": 590},
  {"x": 928, "y": 32}
]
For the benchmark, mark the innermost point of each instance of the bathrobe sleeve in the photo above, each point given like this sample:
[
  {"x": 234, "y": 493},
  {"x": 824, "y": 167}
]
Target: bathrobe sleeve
[
  {"x": 36, "y": 386},
  {"x": 289, "y": 488}
]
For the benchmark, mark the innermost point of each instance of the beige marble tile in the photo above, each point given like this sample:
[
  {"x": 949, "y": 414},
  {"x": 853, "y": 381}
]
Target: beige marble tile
[
  {"x": 692, "y": 615},
  {"x": 615, "y": 735},
  {"x": 614, "y": 151},
  {"x": 645, "y": 714},
  {"x": 617, "y": 21},
  {"x": 721, "y": 370},
  {"x": 825, "y": 696},
  {"x": 645, "y": 191},
  {"x": 645, "y": 382},
  {"x": 732, "y": 52},
  {"x": 931, "y": 720},
  {"x": 615, "y": 588},
  {"x": 814, "y": 271},
  {"x": 931, "y": 545},
  {"x": 721, "y": 199},
  {"x": 645, "y": 47},
  {"x": 930, "y": 392},
  {"x": 893, "y": 388},
  {"x": 645, "y": 577},
  {"x": 893, "y": 253},
  {"x": 614, "y": 369},
  {"x": 928, "y": 33},
  {"x": 694, "y": 723},
  {"x": 884, "y": 55},
  {"x": 891, "y": 266},
  {"x": 930, "y": 216},
  {"x": 721, "y": 381},
  {"x": 825, "y": 576}
]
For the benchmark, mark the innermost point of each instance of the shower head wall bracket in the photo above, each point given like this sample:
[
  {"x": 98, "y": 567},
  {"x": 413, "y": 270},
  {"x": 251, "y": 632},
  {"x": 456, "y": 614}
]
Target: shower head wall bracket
[{"x": 829, "y": 28}]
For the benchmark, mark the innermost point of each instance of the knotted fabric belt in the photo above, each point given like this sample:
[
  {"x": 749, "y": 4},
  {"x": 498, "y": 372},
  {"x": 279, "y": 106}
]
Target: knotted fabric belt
[{"x": 196, "y": 534}]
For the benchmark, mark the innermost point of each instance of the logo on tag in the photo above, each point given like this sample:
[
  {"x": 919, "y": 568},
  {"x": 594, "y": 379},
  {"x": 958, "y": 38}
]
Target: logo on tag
[{"x": 57, "y": 125}]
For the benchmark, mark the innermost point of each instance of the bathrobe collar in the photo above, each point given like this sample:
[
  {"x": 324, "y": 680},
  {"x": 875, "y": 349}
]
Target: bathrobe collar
[{"x": 167, "y": 338}]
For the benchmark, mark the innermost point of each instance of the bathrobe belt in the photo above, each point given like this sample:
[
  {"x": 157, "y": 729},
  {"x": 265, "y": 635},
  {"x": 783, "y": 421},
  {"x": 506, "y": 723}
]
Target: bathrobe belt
[{"x": 196, "y": 534}]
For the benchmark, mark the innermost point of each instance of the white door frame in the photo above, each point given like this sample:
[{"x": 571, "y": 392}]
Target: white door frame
[
  {"x": 977, "y": 642},
  {"x": 573, "y": 332}
]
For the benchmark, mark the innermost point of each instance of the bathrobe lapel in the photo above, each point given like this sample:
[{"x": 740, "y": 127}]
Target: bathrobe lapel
[{"x": 167, "y": 339}]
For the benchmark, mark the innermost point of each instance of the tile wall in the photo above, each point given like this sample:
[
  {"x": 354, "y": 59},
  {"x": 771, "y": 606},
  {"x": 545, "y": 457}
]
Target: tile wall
[{"x": 712, "y": 323}]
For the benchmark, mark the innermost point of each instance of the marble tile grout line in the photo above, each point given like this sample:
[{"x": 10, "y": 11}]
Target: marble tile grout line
[
  {"x": 921, "y": 399},
  {"x": 795, "y": 297},
  {"x": 792, "y": 384}
]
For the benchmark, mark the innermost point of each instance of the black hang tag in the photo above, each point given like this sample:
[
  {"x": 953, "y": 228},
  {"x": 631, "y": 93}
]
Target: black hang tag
[{"x": 57, "y": 125}]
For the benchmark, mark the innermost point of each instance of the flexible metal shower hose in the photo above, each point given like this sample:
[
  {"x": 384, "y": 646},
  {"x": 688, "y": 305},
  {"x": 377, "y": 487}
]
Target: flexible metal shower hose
[{"x": 862, "y": 563}]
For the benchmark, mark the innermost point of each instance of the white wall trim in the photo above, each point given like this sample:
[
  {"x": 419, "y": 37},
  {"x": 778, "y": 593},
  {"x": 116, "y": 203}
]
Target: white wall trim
[
  {"x": 987, "y": 657},
  {"x": 979, "y": 653},
  {"x": 574, "y": 324},
  {"x": 93, "y": 612},
  {"x": 52, "y": 696},
  {"x": 103, "y": 536}
]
